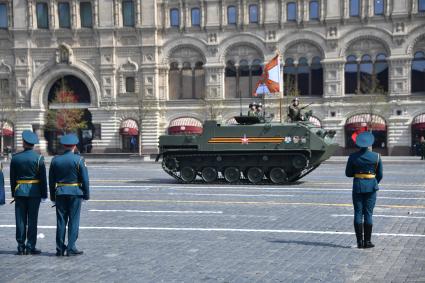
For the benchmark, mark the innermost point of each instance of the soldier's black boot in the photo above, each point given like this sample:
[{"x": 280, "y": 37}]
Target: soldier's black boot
[
  {"x": 367, "y": 236},
  {"x": 358, "y": 228}
]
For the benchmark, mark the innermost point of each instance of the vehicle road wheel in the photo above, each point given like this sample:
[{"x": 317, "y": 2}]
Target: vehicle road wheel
[
  {"x": 255, "y": 174},
  {"x": 277, "y": 175},
  {"x": 209, "y": 174},
  {"x": 299, "y": 161},
  {"x": 187, "y": 174},
  {"x": 232, "y": 174}
]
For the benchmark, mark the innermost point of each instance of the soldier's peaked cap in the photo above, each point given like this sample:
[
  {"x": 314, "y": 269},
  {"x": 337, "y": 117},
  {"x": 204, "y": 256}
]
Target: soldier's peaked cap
[
  {"x": 30, "y": 137},
  {"x": 365, "y": 139},
  {"x": 69, "y": 139}
]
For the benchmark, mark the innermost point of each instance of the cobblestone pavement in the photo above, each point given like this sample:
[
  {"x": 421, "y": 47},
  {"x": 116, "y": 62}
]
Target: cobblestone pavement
[{"x": 142, "y": 226}]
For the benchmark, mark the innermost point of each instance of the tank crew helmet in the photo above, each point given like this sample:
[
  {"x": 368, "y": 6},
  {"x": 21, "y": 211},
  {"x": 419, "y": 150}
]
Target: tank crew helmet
[
  {"x": 30, "y": 137},
  {"x": 253, "y": 104},
  {"x": 69, "y": 139},
  {"x": 365, "y": 139},
  {"x": 295, "y": 99},
  {"x": 260, "y": 105}
]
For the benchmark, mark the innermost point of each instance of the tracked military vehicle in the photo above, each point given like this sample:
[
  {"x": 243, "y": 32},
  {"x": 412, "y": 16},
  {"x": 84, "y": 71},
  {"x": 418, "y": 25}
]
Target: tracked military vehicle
[{"x": 252, "y": 150}]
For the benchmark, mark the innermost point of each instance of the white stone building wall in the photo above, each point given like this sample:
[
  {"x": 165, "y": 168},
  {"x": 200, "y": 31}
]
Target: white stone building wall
[{"x": 104, "y": 55}]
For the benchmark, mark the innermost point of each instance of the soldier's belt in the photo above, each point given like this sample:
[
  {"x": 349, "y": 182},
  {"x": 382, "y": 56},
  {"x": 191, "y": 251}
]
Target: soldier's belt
[
  {"x": 68, "y": 185},
  {"x": 20, "y": 182},
  {"x": 364, "y": 176}
]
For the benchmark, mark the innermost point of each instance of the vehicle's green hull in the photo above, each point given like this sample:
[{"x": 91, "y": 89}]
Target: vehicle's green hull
[{"x": 259, "y": 153}]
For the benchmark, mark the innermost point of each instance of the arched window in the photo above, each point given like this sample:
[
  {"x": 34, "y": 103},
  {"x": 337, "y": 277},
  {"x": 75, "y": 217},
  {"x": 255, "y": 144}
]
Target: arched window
[
  {"x": 256, "y": 72},
  {"x": 253, "y": 13},
  {"x": 366, "y": 74},
  {"x": 351, "y": 70},
  {"x": 290, "y": 77},
  {"x": 196, "y": 17},
  {"x": 379, "y": 7},
  {"x": 303, "y": 76},
  {"x": 354, "y": 8},
  {"x": 244, "y": 79},
  {"x": 418, "y": 72},
  {"x": 421, "y": 5},
  {"x": 231, "y": 15},
  {"x": 291, "y": 11},
  {"x": 231, "y": 80},
  {"x": 187, "y": 81},
  {"x": 174, "y": 17},
  {"x": 128, "y": 13},
  {"x": 314, "y": 10},
  {"x": 381, "y": 74},
  {"x": 316, "y": 77},
  {"x": 174, "y": 82},
  {"x": 199, "y": 81}
]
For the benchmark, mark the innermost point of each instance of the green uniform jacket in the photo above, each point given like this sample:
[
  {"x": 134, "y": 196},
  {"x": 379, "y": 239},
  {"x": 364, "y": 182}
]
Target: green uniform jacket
[
  {"x": 364, "y": 161},
  {"x": 68, "y": 168},
  {"x": 28, "y": 165}
]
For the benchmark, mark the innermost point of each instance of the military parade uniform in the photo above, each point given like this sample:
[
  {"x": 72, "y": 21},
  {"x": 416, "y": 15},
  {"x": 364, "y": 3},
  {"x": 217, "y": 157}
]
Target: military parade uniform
[
  {"x": 69, "y": 185},
  {"x": 366, "y": 168},
  {"x": 294, "y": 112},
  {"x": 2, "y": 193},
  {"x": 252, "y": 112},
  {"x": 28, "y": 186}
]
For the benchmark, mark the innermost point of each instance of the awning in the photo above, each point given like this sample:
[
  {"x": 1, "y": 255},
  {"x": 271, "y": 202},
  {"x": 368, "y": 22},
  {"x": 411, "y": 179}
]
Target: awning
[
  {"x": 129, "y": 128},
  {"x": 7, "y": 130},
  {"x": 363, "y": 121},
  {"x": 185, "y": 125},
  {"x": 315, "y": 121},
  {"x": 419, "y": 122}
]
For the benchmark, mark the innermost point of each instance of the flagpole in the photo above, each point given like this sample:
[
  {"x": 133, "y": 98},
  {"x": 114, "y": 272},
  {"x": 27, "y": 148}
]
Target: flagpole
[{"x": 240, "y": 102}]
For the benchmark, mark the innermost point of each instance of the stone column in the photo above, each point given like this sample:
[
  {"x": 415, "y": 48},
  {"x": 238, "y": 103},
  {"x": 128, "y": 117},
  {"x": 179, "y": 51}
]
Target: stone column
[
  {"x": 399, "y": 75},
  {"x": 214, "y": 81},
  {"x": 333, "y": 77}
]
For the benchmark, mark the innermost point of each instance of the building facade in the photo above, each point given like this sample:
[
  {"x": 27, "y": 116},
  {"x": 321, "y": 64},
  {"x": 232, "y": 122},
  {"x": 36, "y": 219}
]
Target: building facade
[{"x": 150, "y": 66}]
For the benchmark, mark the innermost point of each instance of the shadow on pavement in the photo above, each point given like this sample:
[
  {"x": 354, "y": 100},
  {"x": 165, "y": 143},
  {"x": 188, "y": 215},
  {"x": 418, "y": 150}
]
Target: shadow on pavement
[
  {"x": 306, "y": 243},
  {"x": 14, "y": 253}
]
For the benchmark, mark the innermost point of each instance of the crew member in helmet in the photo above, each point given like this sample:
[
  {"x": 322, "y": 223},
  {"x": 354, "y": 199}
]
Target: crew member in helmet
[
  {"x": 259, "y": 110},
  {"x": 252, "y": 109},
  {"x": 294, "y": 111}
]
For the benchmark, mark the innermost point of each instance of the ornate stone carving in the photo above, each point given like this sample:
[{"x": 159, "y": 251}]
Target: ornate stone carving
[
  {"x": 332, "y": 32},
  {"x": 212, "y": 37},
  {"x": 271, "y": 35},
  {"x": 64, "y": 54}
]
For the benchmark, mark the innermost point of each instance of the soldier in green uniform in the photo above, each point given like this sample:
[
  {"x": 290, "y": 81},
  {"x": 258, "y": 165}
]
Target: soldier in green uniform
[
  {"x": 259, "y": 110},
  {"x": 69, "y": 185},
  {"x": 28, "y": 184},
  {"x": 366, "y": 168},
  {"x": 294, "y": 111},
  {"x": 252, "y": 109}
]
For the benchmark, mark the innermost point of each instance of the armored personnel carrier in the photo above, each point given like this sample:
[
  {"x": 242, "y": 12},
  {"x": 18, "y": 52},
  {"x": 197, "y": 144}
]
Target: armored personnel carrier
[{"x": 252, "y": 150}]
